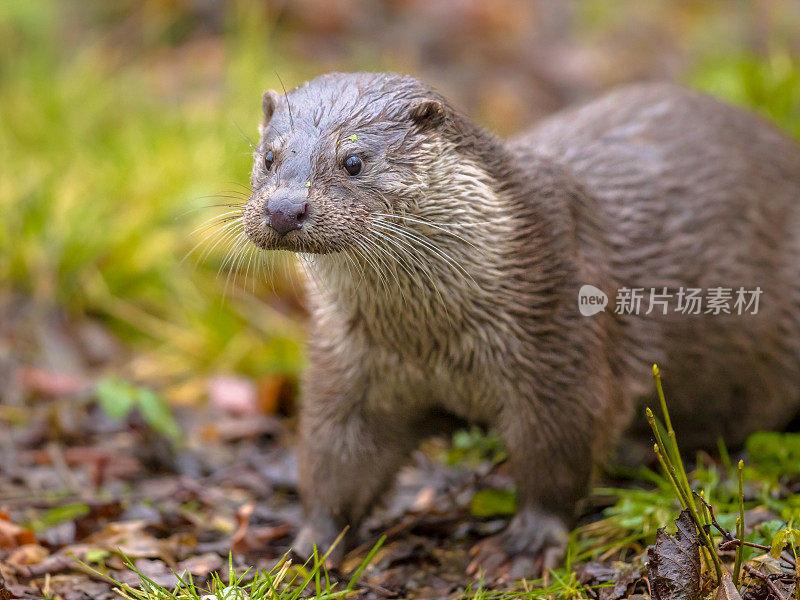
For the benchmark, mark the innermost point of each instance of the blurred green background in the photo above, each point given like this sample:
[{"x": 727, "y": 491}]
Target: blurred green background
[{"x": 121, "y": 122}]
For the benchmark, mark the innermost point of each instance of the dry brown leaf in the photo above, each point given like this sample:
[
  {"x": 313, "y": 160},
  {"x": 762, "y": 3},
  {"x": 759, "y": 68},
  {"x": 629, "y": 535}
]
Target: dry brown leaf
[
  {"x": 766, "y": 564},
  {"x": 129, "y": 538},
  {"x": 274, "y": 394},
  {"x": 727, "y": 590},
  {"x": 13, "y": 535},
  {"x": 243, "y": 524},
  {"x": 5, "y": 593},
  {"x": 674, "y": 562},
  {"x": 28, "y": 554},
  {"x": 51, "y": 383},
  {"x": 202, "y": 565},
  {"x": 620, "y": 574}
]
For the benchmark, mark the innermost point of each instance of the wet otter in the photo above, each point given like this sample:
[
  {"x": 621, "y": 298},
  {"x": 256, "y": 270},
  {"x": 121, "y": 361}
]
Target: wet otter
[{"x": 445, "y": 266}]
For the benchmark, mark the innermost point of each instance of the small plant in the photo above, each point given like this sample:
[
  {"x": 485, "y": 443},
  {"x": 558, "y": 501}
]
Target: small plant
[
  {"x": 473, "y": 447},
  {"x": 118, "y": 399},
  {"x": 703, "y": 518},
  {"x": 669, "y": 457},
  {"x": 285, "y": 581}
]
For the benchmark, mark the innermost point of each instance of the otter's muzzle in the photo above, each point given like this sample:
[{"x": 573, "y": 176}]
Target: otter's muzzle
[{"x": 285, "y": 212}]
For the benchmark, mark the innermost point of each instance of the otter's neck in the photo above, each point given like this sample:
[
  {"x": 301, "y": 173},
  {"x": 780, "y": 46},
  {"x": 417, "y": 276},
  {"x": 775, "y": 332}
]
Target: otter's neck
[{"x": 449, "y": 265}]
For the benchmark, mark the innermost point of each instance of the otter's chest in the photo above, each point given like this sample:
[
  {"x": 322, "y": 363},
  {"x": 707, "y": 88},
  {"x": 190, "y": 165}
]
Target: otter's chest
[{"x": 464, "y": 376}]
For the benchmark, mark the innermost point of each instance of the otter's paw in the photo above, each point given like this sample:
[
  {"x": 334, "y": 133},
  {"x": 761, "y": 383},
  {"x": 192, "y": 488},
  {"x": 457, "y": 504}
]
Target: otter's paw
[
  {"x": 320, "y": 533},
  {"x": 533, "y": 543}
]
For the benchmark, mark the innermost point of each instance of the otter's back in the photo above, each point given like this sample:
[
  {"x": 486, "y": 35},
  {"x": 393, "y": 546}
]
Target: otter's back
[
  {"x": 697, "y": 194},
  {"x": 680, "y": 172}
]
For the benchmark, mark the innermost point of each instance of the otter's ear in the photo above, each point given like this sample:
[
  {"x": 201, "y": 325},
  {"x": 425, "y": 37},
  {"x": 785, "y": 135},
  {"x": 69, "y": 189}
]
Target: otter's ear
[
  {"x": 427, "y": 113},
  {"x": 268, "y": 103}
]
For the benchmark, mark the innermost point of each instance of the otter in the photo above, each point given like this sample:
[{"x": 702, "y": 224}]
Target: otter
[{"x": 445, "y": 266}]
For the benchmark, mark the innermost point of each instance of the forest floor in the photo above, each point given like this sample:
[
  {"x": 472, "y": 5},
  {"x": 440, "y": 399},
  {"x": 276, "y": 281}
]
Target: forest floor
[{"x": 102, "y": 485}]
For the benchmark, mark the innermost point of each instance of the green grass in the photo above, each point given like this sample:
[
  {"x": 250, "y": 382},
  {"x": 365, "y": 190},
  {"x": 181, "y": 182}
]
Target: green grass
[
  {"x": 107, "y": 170},
  {"x": 769, "y": 85},
  {"x": 284, "y": 581}
]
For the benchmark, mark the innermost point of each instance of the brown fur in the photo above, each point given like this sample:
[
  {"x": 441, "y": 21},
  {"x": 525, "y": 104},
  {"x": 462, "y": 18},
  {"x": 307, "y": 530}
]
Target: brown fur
[{"x": 444, "y": 278}]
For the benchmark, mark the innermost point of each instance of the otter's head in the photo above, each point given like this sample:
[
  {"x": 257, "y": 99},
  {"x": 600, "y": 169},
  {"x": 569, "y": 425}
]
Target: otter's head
[{"x": 338, "y": 152}]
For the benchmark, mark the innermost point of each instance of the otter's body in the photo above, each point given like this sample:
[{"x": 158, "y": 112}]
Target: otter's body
[
  {"x": 444, "y": 278},
  {"x": 698, "y": 194}
]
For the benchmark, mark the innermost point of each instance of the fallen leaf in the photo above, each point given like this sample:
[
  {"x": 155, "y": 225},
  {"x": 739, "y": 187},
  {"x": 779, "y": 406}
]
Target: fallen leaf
[
  {"x": 275, "y": 395},
  {"x": 12, "y": 535},
  {"x": 235, "y": 395},
  {"x": 5, "y": 593},
  {"x": 621, "y": 574},
  {"x": 202, "y": 565},
  {"x": 128, "y": 538},
  {"x": 28, "y": 554},
  {"x": 674, "y": 562},
  {"x": 155, "y": 570},
  {"x": 425, "y": 499},
  {"x": 51, "y": 383},
  {"x": 766, "y": 564},
  {"x": 727, "y": 590},
  {"x": 243, "y": 523},
  {"x": 755, "y": 588}
]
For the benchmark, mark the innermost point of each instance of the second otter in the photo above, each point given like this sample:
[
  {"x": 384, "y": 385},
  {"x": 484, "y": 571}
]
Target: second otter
[{"x": 446, "y": 264}]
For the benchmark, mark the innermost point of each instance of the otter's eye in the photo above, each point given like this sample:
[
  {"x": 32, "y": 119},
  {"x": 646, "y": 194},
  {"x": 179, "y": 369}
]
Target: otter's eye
[
  {"x": 353, "y": 165},
  {"x": 268, "y": 159}
]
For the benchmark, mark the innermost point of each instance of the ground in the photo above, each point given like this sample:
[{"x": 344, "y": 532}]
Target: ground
[
  {"x": 102, "y": 484},
  {"x": 98, "y": 488}
]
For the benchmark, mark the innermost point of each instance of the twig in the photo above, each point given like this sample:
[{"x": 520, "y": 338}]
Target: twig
[
  {"x": 737, "y": 565},
  {"x": 725, "y": 533},
  {"x": 732, "y": 542},
  {"x": 758, "y": 575}
]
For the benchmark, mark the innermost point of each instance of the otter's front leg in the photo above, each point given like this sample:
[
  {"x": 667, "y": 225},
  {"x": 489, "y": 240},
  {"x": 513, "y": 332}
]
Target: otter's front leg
[
  {"x": 350, "y": 449},
  {"x": 551, "y": 454}
]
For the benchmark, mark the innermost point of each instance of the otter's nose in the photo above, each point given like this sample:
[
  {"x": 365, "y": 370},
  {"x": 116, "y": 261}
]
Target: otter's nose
[{"x": 284, "y": 214}]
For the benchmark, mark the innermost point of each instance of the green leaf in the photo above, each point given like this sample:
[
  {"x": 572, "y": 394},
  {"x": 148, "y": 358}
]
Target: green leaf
[
  {"x": 766, "y": 531},
  {"x": 157, "y": 414},
  {"x": 489, "y": 503},
  {"x": 96, "y": 555},
  {"x": 778, "y": 543},
  {"x": 793, "y": 537},
  {"x": 59, "y": 514},
  {"x": 353, "y": 138},
  {"x": 116, "y": 397}
]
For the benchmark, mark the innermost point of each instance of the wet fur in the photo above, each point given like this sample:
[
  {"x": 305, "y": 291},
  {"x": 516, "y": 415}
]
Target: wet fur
[{"x": 444, "y": 279}]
